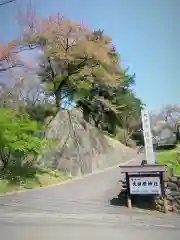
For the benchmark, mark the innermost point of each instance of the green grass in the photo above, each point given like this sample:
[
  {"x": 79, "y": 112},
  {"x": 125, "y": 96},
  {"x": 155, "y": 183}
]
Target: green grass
[
  {"x": 21, "y": 178},
  {"x": 171, "y": 159}
]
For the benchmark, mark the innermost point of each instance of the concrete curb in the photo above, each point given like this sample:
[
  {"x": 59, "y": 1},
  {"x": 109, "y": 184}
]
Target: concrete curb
[{"x": 70, "y": 180}]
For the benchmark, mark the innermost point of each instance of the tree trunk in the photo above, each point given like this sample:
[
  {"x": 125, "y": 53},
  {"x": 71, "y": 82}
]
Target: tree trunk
[
  {"x": 57, "y": 99},
  {"x": 85, "y": 113},
  {"x": 127, "y": 136},
  {"x": 4, "y": 157}
]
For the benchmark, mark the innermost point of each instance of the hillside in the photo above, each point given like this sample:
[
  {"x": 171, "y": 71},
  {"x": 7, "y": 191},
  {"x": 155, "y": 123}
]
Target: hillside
[{"x": 80, "y": 148}]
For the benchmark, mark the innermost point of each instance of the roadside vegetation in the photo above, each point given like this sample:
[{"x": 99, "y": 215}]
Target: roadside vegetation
[
  {"x": 170, "y": 158},
  {"x": 168, "y": 118},
  {"x": 23, "y": 178}
]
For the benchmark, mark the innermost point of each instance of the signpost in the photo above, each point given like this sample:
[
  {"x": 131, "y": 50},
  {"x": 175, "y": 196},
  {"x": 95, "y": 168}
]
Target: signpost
[
  {"x": 150, "y": 157},
  {"x": 145, "y": 185},
  {"x": 146, "y": 180}
]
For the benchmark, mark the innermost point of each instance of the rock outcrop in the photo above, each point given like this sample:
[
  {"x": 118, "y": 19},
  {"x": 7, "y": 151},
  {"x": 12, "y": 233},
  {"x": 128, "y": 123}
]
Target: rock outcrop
[{"x": 80, "y": 148}]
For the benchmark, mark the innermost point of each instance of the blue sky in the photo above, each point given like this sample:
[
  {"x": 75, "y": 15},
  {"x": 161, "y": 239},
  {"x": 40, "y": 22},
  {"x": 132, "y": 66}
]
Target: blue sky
[{"x": 145, "y": 32}]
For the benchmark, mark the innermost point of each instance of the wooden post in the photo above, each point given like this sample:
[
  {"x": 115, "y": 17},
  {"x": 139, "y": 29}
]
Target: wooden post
[
  {"x": 163, "y": 190},
  {"x": 165, "y": 205},
  {"x": 129, "y": 203}
]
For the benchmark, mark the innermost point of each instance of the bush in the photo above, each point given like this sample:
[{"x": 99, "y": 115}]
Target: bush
[
  {"x": 170, "y": 158},
  {"x": 15, "y": 178},
  {"x": 17, "y": 135}
]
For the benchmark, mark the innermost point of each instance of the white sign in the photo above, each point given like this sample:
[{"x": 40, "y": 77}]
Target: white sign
[
  {"x": 150, "y": 157},
  {"x": 145, "y": 185}
]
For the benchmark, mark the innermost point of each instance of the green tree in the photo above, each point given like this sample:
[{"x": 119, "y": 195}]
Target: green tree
[
  {"x": 130, "y": 116},
  {"x": 75, "y": 57},
  {"x": 17, "y": 135},
  {"x": 82, "y": 65},
  {"x": 111, "y": 107}
]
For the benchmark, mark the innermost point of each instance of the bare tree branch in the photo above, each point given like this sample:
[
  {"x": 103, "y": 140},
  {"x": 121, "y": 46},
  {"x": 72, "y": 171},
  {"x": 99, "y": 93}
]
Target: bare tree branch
[{"x": 4, "y": 2}]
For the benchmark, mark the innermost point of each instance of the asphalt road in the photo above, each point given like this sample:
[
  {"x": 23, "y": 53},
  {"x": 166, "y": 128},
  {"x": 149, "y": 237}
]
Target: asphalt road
[{"x": 81, "y": 210}]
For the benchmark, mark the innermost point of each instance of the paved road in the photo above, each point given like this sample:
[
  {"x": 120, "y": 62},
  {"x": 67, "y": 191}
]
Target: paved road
[{"x": 80, "y": 210}]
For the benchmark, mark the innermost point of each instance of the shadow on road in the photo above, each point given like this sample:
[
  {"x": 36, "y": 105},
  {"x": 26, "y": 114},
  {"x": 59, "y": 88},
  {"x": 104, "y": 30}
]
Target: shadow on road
[
  {"x": 120, "y": 200},
  {"x": 141, "y": 202}
]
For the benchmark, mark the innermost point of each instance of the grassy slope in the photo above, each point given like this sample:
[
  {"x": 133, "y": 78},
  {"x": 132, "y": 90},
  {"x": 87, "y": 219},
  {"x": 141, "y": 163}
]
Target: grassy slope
[
  {"x": 16, "y": 178},
  {"x": 171, "y": 159}
]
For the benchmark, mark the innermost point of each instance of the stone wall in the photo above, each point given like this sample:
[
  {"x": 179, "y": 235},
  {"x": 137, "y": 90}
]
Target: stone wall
[
  {"x": 173, "y": 195},
  {"x": 79, "y": 148}
]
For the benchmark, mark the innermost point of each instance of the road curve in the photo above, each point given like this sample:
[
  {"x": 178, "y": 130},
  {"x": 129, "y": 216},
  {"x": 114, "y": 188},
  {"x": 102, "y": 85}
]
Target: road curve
[{"x": 80, "y": 209}]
